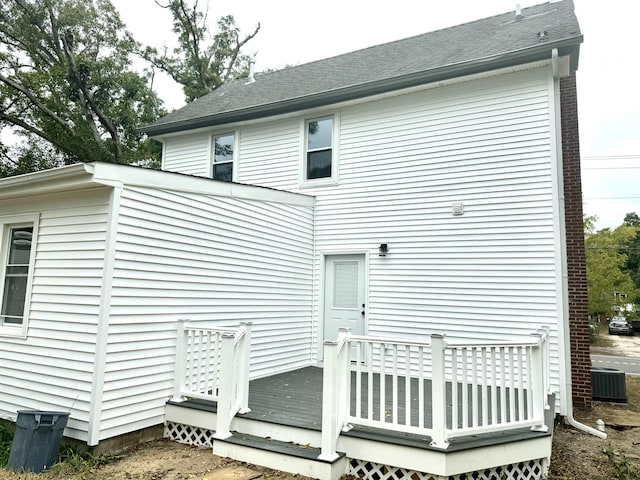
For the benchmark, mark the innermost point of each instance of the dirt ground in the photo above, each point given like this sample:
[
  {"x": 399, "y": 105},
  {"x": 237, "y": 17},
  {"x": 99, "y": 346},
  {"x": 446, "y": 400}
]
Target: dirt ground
[{"x": 576, "y": 455}]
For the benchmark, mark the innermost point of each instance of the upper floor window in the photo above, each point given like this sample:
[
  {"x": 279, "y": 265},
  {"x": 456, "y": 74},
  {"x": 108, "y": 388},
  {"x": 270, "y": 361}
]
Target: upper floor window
[
  {"x": 223, "y": 157},
  {"x": 15, "y": 272},
  {"x": 319, "y": 149}
]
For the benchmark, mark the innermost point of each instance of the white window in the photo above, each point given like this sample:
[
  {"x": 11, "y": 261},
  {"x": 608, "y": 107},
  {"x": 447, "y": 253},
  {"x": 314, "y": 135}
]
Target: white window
[
  {"x": 224, "y": 147},
  {"x": 320, "y": 162},
  {"x": 17, "y": 253}
]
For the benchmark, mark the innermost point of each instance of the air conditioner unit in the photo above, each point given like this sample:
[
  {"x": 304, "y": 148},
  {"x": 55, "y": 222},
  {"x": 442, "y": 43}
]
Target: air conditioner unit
[{"x": 608, "y": 385}]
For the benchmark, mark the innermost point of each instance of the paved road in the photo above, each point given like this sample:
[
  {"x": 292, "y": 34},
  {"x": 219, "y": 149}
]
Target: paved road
[{"x": 630, "y": 365}]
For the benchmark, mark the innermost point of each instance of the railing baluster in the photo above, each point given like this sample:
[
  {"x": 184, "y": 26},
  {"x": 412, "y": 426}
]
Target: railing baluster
[
  {"x": 358, "y": 379},
  {"x": 503, "y": 387},
  {"x": 521, "y": 407},
  {"x": 475, "y": 406},
  {"x": 370, "y": 388},
  {"x": 494, "y": 387},
  {"x": 485, "y": 396},
  {"x": 465, "y": 388},
  {"x": 407, "y": 385},
  {"x": 394, "y": 386},
  {"x": 512, "y": 384},
  {"x": 383, "y": 391},
  {"x": 421, "y": 419},
  {"x": 454, "y": 388}
]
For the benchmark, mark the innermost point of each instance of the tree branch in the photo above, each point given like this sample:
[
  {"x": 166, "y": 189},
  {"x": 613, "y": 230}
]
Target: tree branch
[
  {"x": 36, "y": 102},
  {"x": 26, "y": 126},
  {"x": 91, "y": 102},
  {"x": 236, "y": 52}
]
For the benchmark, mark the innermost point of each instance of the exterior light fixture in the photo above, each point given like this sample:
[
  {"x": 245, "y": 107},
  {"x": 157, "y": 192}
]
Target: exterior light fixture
[{"x": 383, "y": 249}]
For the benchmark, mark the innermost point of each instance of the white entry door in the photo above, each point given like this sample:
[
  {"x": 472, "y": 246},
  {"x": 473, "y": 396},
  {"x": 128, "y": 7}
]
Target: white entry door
[{"x": 344, "y": 295}]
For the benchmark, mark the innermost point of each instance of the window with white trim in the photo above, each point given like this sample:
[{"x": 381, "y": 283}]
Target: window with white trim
[
  {"x": 223, "y": 157},
  {"x": 17, "y": 254},
  {"x": 319, "y": 165}
]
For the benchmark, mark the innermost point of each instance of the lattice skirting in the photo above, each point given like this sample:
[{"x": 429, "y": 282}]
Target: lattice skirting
[
  {"x": 182, "y": 433},
  {"x": 531, "y": 470}
]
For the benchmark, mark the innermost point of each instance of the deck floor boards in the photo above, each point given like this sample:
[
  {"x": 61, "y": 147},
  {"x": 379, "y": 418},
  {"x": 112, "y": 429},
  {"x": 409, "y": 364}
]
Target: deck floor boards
[{"x": 295, "y": 399}]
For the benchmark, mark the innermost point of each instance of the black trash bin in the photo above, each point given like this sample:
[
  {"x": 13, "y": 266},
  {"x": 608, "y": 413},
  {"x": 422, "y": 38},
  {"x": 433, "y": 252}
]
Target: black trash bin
[{"x": 37, "y": 440}]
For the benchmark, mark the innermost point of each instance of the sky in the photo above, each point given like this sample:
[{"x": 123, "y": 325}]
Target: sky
[{"x": 294, "y": 32}]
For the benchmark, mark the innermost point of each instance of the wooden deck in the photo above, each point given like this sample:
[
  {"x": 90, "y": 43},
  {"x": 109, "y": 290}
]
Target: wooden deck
[{"x": 294, "y": 399}]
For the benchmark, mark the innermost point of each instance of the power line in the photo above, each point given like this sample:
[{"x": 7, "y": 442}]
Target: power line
[
  {"x": 610, "y": 198},
  {"x": 612, "y": 168},
  {"x": 595, "y": 158}
]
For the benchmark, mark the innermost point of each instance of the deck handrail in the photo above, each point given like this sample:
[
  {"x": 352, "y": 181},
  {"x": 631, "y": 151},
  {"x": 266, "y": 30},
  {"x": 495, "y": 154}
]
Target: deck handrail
[
  {"x": 212, "y": 363},
  {"x": 475, "y": 387}
]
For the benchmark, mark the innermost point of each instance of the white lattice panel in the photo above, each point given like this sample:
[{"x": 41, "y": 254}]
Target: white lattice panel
[
  {"x": 531, "y": 470},
  {"x": 200, "y": 437}
]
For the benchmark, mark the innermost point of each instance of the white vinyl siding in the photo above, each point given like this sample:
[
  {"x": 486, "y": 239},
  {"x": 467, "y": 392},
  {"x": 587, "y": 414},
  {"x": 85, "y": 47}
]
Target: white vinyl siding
[
  {"x": 189, "y": 154},
  {"x": 270, "y": 154},
  {"x": 404, "y": 161},
  {"x": 216, "y": 259},
  {"x": 52, "y": 368}
]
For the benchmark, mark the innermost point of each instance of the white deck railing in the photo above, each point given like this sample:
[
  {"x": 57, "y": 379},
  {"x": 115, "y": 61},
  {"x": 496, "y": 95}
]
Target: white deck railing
[
  {"x": 213, "y": 364},
  {"x": 437, "y": 389}
]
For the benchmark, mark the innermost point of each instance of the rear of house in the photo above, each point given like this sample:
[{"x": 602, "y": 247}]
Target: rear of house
[
  {"x": 423, "y": 194},
  {"x": 467, "y": 173}
]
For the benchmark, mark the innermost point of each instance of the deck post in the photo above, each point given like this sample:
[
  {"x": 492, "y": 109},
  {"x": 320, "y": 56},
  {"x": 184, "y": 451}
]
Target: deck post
[
  {"x": 544, "y": 331},
  {"x": 332, "y": 395},
  {"x": 226, "y": 390},
  {"x": 438, "y": 393},
  {"x": 538, "y": 395},
  {"x": 180, "y": 373},
  {"x": 243, "y": 373}
]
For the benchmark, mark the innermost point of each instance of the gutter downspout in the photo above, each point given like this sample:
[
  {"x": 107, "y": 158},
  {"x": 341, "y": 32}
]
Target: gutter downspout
[{"x": 563, "y": 331}]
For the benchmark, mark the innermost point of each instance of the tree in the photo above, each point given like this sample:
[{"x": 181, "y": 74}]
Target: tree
[
  {"x": 66, "y": 77},
  {"x": 31, "y": 156},
  {"x": 631, "y": 219},
  {"x": 201, "y": 63},
  {"x": 606, "y": 258}
]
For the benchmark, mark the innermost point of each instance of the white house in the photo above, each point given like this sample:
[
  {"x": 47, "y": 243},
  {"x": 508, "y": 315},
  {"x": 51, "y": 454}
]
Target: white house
[{"x": 424, "y": 193}]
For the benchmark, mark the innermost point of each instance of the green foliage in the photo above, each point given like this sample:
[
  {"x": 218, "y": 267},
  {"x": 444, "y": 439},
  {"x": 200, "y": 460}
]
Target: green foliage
[
  {"x": 32, "y": 156},
  {"x": 631, "y": 219},
  {"x": 200, "y": 63},
  {"x": 620, "y": 468},
  {"x": 609, "y": 283},
  {"x": 66, "y": 77},
  {"x": 633, "y": 261},
  {"x": 72, "y": 461},
  {"x": 6, "y": 437}
]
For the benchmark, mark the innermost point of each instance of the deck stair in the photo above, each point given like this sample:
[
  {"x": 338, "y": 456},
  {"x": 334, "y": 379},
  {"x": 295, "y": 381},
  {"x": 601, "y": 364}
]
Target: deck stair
[{"x": 271, "y": 453}]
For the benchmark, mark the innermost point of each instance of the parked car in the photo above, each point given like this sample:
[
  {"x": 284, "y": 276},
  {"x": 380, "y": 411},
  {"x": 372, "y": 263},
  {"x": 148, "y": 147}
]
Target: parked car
[{"x": 619, "y": 326}]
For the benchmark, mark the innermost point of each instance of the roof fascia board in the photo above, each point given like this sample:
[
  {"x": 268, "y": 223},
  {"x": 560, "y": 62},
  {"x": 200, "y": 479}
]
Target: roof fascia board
[
  {"x": 566, "y": 46},
  {"x": 72, "y": 177},
  {"x": 112, "y": 174},
  {"x": 97, "y": 175}
]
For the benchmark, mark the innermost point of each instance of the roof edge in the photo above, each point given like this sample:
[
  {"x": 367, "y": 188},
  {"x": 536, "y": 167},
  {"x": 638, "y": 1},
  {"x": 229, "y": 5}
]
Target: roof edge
[{"x": 566, "y": 46}]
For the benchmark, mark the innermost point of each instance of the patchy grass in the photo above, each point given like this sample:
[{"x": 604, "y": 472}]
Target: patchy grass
[
  {"x": 633, "y": 393},
  {"x": 620, "y": 468}
]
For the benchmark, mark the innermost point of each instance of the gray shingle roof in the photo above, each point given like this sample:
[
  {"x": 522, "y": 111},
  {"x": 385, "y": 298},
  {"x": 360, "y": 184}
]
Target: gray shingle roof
[{"x": 485, "y": 44}]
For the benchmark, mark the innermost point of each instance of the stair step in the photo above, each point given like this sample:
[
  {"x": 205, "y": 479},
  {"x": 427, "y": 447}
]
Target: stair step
[
  {"x": 285, "y": 456},
  {"x": 286, "y": 448}
]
